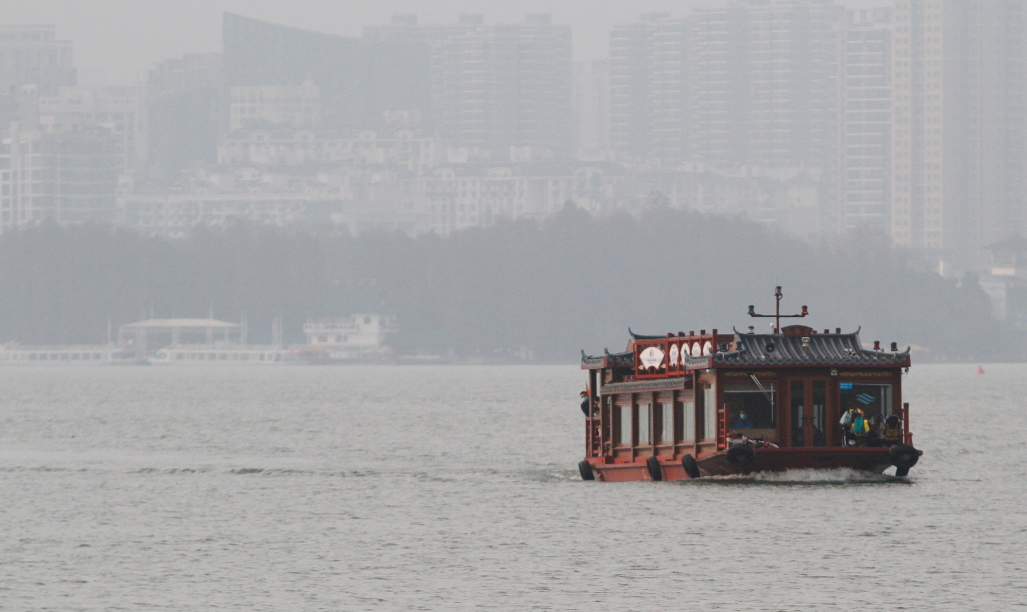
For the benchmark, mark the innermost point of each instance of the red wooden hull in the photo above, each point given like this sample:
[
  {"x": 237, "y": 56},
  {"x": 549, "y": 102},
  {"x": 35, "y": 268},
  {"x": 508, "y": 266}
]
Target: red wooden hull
[{"x": 874, "y": 460}]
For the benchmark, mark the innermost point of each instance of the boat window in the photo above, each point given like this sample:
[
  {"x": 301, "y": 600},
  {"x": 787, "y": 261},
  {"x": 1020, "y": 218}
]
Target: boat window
[
  {"x": 758, "y": 405},
  {"x": 798, "y": 413},
  {"x": 625, "y": 425},
  {"x": 688, "y": 422},
  {"x": 666, "y": 422},
  {"x": 645, "y": 417},
  {"x": 873, "y": 400},
  {"x": 709, "y": 412},
  {"x": 819, "y": 413}
]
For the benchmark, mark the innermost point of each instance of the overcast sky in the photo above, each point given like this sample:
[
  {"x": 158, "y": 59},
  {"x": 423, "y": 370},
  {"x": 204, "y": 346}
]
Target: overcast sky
[{"x": 117, "y": 41}]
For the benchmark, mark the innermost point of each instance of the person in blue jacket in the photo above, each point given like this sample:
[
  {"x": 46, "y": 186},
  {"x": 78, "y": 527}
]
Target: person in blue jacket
[{"x": 744, "y": 422}]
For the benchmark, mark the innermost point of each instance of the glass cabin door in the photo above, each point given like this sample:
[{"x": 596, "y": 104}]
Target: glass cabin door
[{"x": 808, "y": 402}]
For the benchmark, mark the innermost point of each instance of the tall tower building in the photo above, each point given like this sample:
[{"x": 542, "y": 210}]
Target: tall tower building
[
  {"x": 503, "y": 89},
  {"x": 793, "y": 68},
  {"x": 669, "y": 96},
  {"x": 958, "y": 128},
  {"x": 748, "y": 83},
  {"x": 867, "y": 121},
  {"x": 592, "y": 111},
  {"x": 631, "y": 85},
  {"x": 719, "y": 85}
]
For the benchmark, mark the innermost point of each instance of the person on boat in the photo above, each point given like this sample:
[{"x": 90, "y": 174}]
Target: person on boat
[
  {"x": 860, "y": 428},
  {"x": 892, "y": 433},
  {"x": 585, "y": 404},
  {"x": 874, "y": 436},
  {"x": 846, "y": 422},
  {"x": 744, "y": 422}
]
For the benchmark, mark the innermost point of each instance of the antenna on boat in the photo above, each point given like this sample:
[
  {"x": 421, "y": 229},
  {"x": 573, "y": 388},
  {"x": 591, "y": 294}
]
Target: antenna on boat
[{"x": 777, "y": 312}]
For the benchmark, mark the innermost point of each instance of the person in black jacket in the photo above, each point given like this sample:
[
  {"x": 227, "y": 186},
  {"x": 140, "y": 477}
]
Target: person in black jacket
[{"x": 585, "y": 404}]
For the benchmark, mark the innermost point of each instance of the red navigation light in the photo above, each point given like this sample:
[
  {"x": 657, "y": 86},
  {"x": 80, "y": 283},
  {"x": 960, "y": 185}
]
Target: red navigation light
[
  {"x": 877, "y": 345},
  {"x": 804, "y": 311}
]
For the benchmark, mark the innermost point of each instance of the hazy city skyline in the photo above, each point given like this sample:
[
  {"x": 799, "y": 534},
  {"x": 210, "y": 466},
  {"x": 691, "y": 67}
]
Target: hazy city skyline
[
  {"x": 470, "y": 115},
  {"x": 117, "y": 42}
]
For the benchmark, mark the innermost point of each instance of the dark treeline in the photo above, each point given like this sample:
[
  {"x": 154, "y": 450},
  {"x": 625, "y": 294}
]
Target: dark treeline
[{"x": 552, "y": 288}]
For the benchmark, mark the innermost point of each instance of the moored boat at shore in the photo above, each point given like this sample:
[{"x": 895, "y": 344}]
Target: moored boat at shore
[{"x": 683, "y": 406}]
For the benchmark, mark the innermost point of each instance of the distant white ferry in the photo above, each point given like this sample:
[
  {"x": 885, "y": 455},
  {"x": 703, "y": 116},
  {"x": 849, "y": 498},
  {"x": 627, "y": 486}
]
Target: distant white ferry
[
  {"x": 16, "y": 354},
  {"x": 187, "y": 353}
]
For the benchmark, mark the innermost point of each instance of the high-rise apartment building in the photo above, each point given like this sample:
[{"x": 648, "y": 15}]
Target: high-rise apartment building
[
  {"x": 592, "y": 110},
  {"x": 958, "y": 130},
  {"x": 669, "y": 112},
  {"x": 274, "y": 106},
  {"x": 185, "y": 101},
  {"x": 68, "y": 176},
  {"x": 718, "y": 100},
  {"x": 866, "y": 121},
  {"x": 32, "y": 55},
  {"x": 749, "y": 83},
  {"x": 500, "y": 90},
  {"x": 793, "y": 69},
  {"x": 120, "y": 111},
  {"x": 631, "y": 87},
  {"x": 261, "y": 54}
]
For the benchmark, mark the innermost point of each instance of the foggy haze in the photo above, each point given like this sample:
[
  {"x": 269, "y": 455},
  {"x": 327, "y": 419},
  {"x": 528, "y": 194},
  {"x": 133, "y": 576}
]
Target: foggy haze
[
  {"x": 395, "y": 267},
  {"x": 344, "y": 178},
  {"x": 117, "y": 41}
]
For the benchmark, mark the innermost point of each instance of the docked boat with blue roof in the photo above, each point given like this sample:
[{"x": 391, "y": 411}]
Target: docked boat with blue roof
[{"x": 688, "y": 405}]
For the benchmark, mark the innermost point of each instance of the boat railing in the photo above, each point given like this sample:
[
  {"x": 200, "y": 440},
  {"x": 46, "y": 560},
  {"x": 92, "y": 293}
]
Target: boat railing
[
  {"x": 593, "y": 437},
  {"x": 907, "y": 436}
]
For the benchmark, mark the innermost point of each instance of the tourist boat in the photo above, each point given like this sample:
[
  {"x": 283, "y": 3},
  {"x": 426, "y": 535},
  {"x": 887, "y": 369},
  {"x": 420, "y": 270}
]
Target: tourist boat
[{"x": 683, "y": 406}]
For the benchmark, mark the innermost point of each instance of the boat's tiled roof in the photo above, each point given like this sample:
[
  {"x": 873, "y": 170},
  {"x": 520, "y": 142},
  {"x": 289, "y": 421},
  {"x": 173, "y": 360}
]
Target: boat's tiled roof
[
  {"x": 823, "y": 350},
  {"x": 607, "y": 360},
  {"x": 765, "y": 350}
]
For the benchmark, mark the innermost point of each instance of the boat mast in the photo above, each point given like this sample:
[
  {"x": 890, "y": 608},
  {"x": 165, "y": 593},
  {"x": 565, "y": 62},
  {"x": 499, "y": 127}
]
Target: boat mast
[{"x": 777, "y": 311}]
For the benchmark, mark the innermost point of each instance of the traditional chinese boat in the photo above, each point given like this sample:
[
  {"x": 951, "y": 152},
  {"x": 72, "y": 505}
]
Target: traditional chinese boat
[{"x": 682, "y": 406}]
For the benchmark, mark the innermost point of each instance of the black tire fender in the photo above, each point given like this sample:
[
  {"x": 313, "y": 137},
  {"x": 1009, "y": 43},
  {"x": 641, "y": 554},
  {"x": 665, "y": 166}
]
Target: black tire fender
[
  {"x": 655, "y": 471},
  {"x": 904, "y": 456},
  {"x": 688, "y": 462},
  {"x": 740, "y": 455},
  {"x": 586, "y": 470}
]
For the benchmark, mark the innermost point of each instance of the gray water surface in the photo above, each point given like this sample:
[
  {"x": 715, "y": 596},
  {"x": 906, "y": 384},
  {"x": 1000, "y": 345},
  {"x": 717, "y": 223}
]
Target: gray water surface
[{"x": 456, "y": 488}]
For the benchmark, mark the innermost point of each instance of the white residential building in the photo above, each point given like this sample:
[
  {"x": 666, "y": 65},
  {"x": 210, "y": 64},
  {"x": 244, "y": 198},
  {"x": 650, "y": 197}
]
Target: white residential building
[
  {"x": 120, "y": 111},
  {"x": 401, "y": 149}
]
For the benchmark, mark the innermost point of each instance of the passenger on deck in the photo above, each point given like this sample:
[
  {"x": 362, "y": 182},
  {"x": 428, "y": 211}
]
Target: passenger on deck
[
  {"x": 585, "y": 404},
  {"x": 744, "y": 422},
  {"x": 860, "y": 427},
  {"x": 892, "y": 431},
  {"x": 846, "y": 423}
]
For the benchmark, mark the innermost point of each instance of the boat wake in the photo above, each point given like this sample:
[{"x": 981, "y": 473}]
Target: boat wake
[{"x": 840, "y": 476}]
